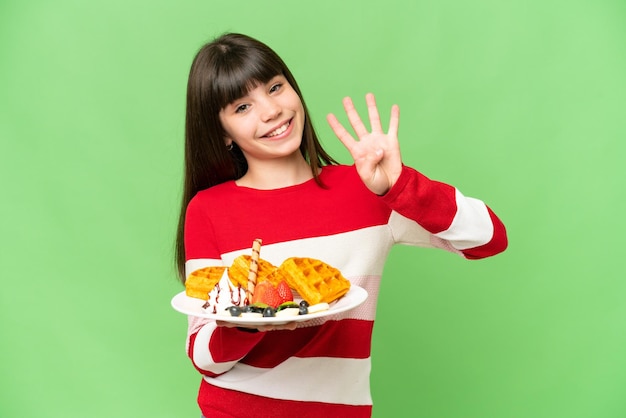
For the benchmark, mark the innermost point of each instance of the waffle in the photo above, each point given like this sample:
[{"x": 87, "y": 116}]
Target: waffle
[
  {"x": 277, "y": 276},
  {"x": 202, "y": 281},
  {"x": 238, "y": 271},
  {"x": 314, "y": 280}
]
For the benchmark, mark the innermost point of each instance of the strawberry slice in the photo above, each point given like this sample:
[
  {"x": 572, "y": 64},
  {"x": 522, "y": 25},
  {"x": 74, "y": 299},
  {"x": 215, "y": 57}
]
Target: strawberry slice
[
  {"x": 265, "y": 292},
  {"x": 284, "y": 291}
]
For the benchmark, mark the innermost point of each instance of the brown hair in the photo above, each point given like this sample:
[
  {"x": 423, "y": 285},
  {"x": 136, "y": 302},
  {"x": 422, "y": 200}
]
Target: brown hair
[{"x": 222, "y": 71}]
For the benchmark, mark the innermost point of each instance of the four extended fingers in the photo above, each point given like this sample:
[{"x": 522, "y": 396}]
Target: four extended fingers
[
  {"x": 357, "y": 124},
  {"x": 377, "y": 159}
]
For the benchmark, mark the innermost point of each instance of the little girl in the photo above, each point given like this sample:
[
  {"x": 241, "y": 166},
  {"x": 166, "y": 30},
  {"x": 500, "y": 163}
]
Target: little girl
[{"x": 254, "y": 168}]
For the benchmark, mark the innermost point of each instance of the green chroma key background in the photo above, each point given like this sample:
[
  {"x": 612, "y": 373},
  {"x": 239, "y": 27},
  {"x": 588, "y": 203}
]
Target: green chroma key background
[{"x": 519, "y": 103}]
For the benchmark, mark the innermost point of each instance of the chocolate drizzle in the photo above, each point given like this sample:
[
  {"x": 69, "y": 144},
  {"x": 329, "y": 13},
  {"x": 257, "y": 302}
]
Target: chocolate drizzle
[
  {"x": 235, "y": 297},
  {"x": 217, "y": 297},
  {"x": 207, "y": 304}
]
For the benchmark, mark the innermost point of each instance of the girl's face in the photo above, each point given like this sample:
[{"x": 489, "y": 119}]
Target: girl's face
[{"x": 267, "y": 123}]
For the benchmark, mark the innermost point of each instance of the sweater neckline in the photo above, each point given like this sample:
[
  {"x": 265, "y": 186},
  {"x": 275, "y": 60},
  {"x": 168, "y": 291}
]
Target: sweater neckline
[{"x": 287, "y": 189}]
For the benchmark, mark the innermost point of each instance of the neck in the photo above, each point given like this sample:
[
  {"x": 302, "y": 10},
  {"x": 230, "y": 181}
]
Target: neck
[{"x": 275, "y": 174}]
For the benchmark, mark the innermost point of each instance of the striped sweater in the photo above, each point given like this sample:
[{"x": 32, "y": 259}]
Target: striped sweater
[{"x": 322, "y": 368}]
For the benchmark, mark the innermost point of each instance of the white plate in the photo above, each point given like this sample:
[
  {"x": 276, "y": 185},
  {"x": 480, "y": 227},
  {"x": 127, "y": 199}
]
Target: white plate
[{"x": 193, "y": 306}]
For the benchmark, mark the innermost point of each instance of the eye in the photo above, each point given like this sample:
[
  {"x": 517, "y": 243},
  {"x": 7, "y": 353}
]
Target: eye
[
  {"x": 241, "y": 108},
  {"x": 275, "y": 87}
]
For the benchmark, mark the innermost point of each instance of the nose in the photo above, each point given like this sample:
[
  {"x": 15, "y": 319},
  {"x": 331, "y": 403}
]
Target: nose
[{"x": 270, "y": 109}]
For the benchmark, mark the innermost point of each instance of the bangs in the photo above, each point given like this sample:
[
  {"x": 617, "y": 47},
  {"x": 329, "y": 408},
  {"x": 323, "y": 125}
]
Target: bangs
[{"x": 238, "y": 73}]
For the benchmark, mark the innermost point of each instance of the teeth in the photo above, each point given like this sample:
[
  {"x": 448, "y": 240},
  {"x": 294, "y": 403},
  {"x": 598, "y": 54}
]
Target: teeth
[{"x": 279, "y": 130}]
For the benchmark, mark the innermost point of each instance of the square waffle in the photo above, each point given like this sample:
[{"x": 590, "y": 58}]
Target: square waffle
[
  {"x": 201, "y": 282},
  {"x": 314, "y": 280},
  {"x": 277, "y": 276},
  {"x": 238, "y": 271}
]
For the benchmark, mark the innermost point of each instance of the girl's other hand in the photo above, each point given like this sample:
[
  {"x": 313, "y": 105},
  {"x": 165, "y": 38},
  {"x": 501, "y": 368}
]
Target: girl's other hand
[
  {"x": 376, "y": 154},
  {"x": 289, "y": 326}
]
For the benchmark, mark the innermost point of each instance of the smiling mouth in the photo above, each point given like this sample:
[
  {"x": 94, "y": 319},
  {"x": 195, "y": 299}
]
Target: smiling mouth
[{"x": 279, "y": 130}]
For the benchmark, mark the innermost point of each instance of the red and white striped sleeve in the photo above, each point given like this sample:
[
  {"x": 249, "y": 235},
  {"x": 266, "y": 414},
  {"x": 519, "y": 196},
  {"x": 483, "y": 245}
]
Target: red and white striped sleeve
[
  {"x": 215, "y": 350},
  {"x": 432, "y": 213}
]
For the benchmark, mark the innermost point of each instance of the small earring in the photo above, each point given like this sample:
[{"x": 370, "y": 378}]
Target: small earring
[{"x": 229, "y": 147}]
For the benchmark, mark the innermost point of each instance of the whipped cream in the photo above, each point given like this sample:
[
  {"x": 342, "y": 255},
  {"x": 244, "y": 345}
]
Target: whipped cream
[{"x": 223, "y": 295}]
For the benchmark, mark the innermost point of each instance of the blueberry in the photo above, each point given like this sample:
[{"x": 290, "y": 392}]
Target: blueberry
[
  {"x": 234, "y": 310},
  {"x": 269, "y": 312},
  {"x": 303, "y": 310},
  {"x": 304, "y": 303}
]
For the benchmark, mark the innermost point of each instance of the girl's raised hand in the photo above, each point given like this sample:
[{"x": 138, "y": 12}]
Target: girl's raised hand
[{"x": 376, "y": 154}]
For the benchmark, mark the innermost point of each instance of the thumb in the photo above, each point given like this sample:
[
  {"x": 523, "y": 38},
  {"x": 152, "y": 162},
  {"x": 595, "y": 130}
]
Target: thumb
[{"x": 367, "y": 164}]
